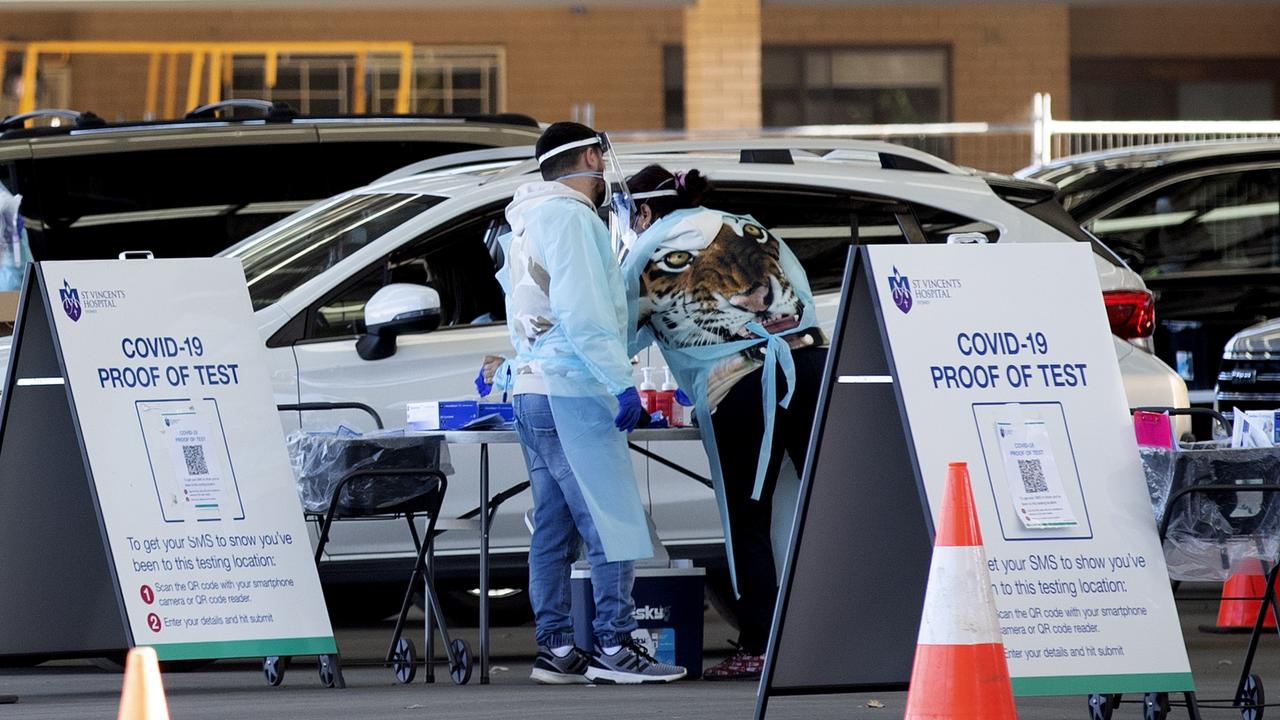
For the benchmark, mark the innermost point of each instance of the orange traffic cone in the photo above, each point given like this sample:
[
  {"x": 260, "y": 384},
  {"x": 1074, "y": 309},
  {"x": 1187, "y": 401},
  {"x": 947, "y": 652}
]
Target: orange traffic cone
[
  {"x": 143, "y": 695},
  {"x": 959, "y": 670},
  {"x": 1241, "y": 599}
]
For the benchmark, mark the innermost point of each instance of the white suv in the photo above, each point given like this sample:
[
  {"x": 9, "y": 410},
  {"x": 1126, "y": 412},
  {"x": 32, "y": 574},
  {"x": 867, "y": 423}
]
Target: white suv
[{"x": 311, "y": 275}]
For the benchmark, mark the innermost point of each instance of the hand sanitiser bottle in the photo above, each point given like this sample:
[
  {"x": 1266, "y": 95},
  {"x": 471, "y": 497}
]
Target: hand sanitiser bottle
[
  {"x": 667, "y": 396},
  {"x": 648, "y": 391}
]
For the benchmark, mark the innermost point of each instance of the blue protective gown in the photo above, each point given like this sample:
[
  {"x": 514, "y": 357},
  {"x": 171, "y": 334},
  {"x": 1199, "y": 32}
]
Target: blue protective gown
[
  {"x": 567, "y": 315},
  {"x": 704, "y": 336}
]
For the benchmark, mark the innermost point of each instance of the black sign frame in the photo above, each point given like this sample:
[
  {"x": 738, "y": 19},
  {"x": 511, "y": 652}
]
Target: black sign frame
[{"x": 852, "y": 590}]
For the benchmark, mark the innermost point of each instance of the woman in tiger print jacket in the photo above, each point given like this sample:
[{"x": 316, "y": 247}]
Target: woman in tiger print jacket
[{"x": 730, "y": 307}]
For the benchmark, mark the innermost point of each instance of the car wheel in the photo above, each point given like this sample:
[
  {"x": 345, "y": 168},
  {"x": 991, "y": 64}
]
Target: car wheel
[
  {"x": 462, "y": 608},
  {"x": 363, "y": 604}
]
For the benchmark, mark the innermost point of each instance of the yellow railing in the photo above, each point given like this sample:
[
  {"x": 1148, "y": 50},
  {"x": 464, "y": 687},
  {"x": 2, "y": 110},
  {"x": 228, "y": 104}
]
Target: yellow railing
[{"x": 213, "y": 61}]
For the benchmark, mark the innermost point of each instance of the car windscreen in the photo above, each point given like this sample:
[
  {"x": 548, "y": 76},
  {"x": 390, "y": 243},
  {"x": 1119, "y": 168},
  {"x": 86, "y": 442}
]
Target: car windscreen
[{"x": 277, "y": 263}]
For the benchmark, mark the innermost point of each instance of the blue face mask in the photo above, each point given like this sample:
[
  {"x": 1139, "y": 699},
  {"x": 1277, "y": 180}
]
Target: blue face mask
[{"x": 603, "y": 196}]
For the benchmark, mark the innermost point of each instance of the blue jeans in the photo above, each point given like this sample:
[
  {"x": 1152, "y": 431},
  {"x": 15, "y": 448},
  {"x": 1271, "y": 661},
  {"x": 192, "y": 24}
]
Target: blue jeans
[{"x": 561, "y": 522}]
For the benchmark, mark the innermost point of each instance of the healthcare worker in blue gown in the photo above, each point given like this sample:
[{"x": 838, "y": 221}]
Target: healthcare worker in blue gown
[
  {"x": 574, "y": 403},
  {"x": 730, "y": 307}
]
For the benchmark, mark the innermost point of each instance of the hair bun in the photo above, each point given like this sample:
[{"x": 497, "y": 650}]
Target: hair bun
[{"x": 691, "y": 186}]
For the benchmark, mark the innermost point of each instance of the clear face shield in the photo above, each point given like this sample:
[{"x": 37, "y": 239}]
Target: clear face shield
[
  {"x": 616, "y": 198},
  {"x": 621, "y": 207}
]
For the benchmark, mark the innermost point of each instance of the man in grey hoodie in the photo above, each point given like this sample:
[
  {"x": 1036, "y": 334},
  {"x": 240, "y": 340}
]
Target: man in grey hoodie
[{"x": 574, "y": 402}]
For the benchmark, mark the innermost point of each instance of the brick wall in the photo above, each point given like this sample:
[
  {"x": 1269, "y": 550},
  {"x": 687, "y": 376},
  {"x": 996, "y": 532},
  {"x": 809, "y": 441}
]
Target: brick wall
[
  {"x": 722, "y": 64},
  {"x": 1177, "y": 30},
  {"x": 1001, "y": 55},
  {"x": 555, "y": 58}
]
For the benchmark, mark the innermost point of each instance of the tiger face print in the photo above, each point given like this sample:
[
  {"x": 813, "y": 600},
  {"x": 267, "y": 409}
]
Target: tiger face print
[{"x": 712, "y": 275}]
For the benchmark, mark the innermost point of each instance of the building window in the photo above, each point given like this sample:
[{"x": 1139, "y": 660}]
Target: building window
[
  {"x": 467, "y": 81},
  {"x": 312, "y": 85},
  {"x": 839, "y": 85},
  {"x": 673, "y": 86},
  {"x": 455, "y": 80},
  {"x": 1173, "y": 89},
  {"x": 53, "y": 83}
]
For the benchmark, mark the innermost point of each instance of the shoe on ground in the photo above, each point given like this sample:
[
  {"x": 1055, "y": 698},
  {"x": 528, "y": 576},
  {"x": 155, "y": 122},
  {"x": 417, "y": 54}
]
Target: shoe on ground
[
  {"x": 631, "y": 665},
  {"x": 739, "y": 666},
  {"x": 568, "y": 670}
]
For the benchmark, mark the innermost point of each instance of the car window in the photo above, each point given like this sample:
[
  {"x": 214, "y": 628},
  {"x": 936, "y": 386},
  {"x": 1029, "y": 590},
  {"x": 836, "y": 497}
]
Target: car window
[
  {"x": 194, "y": 201},
  {"x": 818, "y": 226},
  {"x": 1078, "y": 185},
  {"x": 278, "y": 263},
  {"x": 189, "y": 202},
  {"x": 1213, "y": 222},
  {"x": 457, "y": 262},
  {"x": 939, "y": 225}
]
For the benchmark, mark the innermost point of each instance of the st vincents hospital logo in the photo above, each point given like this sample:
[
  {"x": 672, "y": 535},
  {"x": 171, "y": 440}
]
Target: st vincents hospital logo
[
  {"x": 908, "y": 293},
  {"x": 77, "y": 302},
  {"x": 900, "y": 286},
  {"x": 70, "y": 301}
]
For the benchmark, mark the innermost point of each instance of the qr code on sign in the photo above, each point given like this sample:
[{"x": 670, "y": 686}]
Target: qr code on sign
[
  {"x": 1032, "y": 476},
  {"x": 196, "y": 463}
]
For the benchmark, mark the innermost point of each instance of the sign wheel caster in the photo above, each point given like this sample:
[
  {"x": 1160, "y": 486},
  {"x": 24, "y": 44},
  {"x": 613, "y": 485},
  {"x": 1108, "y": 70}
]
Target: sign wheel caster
[
  {"x": 1102, "y": 706},
  {"x": 331, "y": 672},
  {"x": 404, "y": 661},
  {"x": 273, "y": 669},
  {"x": 1155, "y": 706},
  {"x": 460, "y": 665},
  {"x": 1252, "y": 700}
]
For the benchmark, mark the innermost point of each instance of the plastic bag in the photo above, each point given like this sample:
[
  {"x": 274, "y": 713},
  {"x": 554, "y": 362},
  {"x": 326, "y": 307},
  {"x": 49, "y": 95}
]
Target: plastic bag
[
  {"x": 320, "y": 461},
  {"x": 14, "y": 252},
  {"x": 1213, "y": 535},
  {"x": 1157, "y": 465}
]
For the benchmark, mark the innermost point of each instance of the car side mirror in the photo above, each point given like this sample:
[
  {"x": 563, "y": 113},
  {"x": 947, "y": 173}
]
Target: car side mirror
[{"x": 392, "y": 311}]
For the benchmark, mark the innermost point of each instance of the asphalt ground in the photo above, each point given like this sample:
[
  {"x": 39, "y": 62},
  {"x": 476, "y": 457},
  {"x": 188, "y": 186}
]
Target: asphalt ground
[{"x": 236, "y": 689}]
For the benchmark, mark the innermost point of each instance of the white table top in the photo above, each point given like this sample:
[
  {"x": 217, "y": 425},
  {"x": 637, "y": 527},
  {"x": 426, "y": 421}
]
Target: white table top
[{"x": 476, "y": 437}]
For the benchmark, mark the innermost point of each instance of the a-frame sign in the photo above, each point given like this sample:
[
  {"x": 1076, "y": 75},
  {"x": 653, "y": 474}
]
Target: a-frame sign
[
  {"x": 858, "y": 484},
  {"x": 1001, "y": 357},
  {"x": 61, "y": 595},
  {"x": 147, "y": 492}
]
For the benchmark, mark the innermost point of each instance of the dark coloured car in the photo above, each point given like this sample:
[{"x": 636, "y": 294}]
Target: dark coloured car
[
  {"x": 1200, "y": 222},
  {"x": 1249, "y": 378},
  {"x": 192, "y": 187}
]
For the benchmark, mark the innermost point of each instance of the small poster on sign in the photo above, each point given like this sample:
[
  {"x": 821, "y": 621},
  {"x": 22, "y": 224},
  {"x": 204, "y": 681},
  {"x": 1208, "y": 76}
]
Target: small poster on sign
[
  {"x": 1033, "y": 478},
  {"x": 196, "y": 481}
]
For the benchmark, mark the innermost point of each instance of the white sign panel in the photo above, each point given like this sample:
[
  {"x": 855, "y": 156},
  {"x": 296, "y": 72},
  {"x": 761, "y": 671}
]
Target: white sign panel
[
  {"x": 170, "y": 386},
  {"x": 1005, "y": 361}
]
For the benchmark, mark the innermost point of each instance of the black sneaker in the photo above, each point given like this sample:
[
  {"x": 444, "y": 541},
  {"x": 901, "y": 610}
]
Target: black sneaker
[
  {"x": 568, "y": 670},
  {"x": 631, "y": 665}
]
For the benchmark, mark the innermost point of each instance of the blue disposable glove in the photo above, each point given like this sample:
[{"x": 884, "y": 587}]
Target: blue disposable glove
[
  {"x": 682, "y": 398},
  {"x": 628, "y": 410},
  {"x": 482, "y": 387}
]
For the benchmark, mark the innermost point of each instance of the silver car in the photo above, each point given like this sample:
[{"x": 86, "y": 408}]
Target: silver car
[{"x": 311, "y": 276}]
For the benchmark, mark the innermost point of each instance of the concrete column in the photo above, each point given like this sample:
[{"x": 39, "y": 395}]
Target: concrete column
[{"x": 722, "y": 64}]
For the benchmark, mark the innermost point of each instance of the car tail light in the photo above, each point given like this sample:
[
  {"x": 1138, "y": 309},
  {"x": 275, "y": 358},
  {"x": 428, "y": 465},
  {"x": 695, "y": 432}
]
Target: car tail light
[{"x": 1132, "y": 313}]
